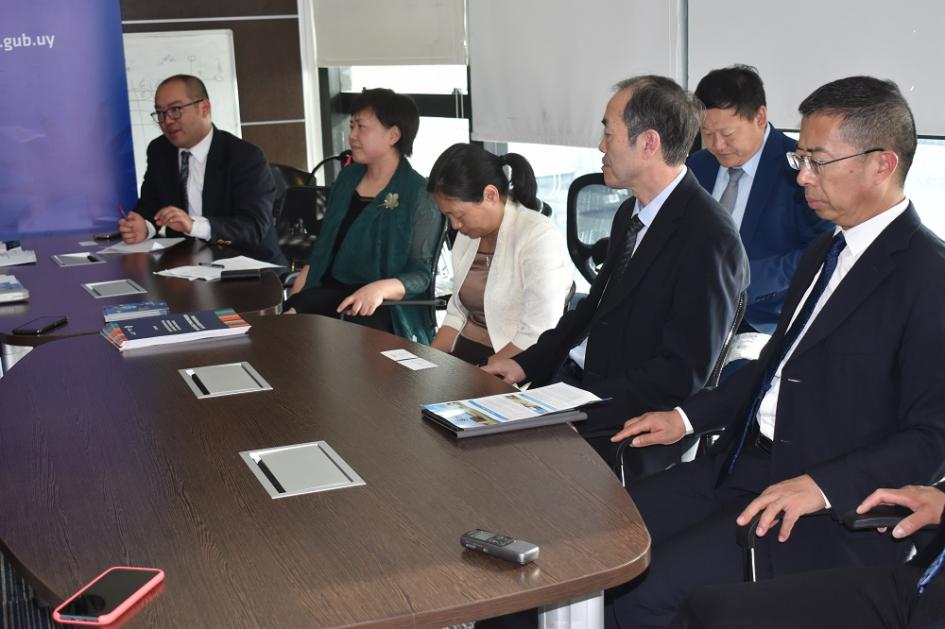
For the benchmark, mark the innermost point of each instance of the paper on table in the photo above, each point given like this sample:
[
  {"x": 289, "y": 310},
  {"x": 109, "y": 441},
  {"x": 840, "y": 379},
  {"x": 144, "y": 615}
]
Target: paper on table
[
  {"x": 145, "y": 246},
  {"x": 408, "y": 360},
  {"x": 547, "y": 399},
  {"x": 398, "y": 354},
  {"x": 416, "y": 364},
  {"x": 191, "y": 272},
  {"x": 16, "y": 256},
  {"x": 243, "y": 263}
]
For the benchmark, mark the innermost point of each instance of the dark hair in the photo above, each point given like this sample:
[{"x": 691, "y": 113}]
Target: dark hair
[
  {"x": 873, "y": 112},
  {"x": 660, "y": 104},
  {"x": 393, "y": 110},
  {"x": 464, "y": 170},
  {"x": 736, "y": 87},
  {"x": 194, "y": 86}
]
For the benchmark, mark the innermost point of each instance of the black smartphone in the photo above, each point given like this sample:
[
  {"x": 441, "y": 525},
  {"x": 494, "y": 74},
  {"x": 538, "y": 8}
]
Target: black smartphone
[
  {"x": 107, "y": 236},
  {"x": 110, "y": 595},
  {"x": 41, "y": 325}
]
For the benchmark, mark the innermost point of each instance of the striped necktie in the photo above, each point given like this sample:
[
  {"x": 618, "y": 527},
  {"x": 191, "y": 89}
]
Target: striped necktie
[
  {"x": 629, "y": 244},
  {"x": 184, "y": 176}
]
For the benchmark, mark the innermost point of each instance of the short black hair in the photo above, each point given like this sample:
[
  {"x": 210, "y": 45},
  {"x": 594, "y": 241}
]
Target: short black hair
[
  {"x": 393, "y": 110},
  {"x": 194, "y": 86},
  {"x": 874, "y": 114},
  {"x": 659, "y": 103},
  {"x": 736, "y": 87}
]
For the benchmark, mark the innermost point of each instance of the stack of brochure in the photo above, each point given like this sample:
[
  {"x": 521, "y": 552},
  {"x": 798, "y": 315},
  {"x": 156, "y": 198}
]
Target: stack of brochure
[
  {"x": 15, "y": 256},
  {"x": 123, "y": 312},
  {"x": 11, "y": 290},
  {"x": 553, "y": 404},
  {"x": 175, "y": 328}
]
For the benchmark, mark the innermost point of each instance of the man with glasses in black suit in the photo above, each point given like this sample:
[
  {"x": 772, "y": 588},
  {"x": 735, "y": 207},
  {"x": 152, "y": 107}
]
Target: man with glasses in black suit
[{"x": 203, "y": 182}]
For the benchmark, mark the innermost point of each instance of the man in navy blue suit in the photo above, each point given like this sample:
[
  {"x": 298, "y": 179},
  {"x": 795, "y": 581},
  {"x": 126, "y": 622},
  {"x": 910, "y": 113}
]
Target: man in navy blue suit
[
  {"x": 847, "y": 396},
  {"x": 743, "y": 167}
]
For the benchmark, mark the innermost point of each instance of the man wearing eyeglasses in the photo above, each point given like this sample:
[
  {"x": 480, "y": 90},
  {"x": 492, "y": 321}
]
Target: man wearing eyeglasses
[
  {"x": 203, "y": 182},
  {"x": 848, "y": 395}
]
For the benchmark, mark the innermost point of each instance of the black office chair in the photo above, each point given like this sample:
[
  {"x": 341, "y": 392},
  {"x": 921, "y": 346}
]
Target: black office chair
[
  {"x": 705, "y": 439},
  {"x": 429, "y": 300},
  {"x": 591, "y": 209},
  {"x": 883, "y": 516},
  {"x": 286, "y": 177},
  {"x": 299, "y": 211}
]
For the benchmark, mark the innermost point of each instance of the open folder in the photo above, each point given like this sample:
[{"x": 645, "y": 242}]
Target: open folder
[{"x": 552, "y": 404}]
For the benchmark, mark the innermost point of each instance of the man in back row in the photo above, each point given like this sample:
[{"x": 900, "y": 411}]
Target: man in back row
[
  {"x": 848, "y": 395},
  {"x": 203, "y": 182},
  {"x": 743, "y": 167}
]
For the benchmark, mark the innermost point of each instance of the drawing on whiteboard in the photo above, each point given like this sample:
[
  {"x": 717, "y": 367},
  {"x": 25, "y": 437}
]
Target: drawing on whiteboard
[{"x": 152, "y": 57}]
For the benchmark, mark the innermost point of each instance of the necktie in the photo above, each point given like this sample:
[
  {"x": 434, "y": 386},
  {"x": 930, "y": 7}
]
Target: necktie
[
  {"x": 629, "y": 243},
  {"x": 730, "y": 193},
  {"x": 931, "y": 571},
  {"x": 829, "y": 265},
  {"x": 184, "y": 176}
]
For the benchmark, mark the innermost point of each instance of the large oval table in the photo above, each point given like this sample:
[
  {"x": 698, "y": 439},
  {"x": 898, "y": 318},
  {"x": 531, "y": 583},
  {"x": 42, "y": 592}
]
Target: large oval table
[
  {"x": 107, "y": 458},
  {"x": 56, "y": 290}
]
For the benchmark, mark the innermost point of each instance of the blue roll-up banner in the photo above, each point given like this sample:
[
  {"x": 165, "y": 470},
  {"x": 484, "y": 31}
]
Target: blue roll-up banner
[{"x": 66, "y": 159}]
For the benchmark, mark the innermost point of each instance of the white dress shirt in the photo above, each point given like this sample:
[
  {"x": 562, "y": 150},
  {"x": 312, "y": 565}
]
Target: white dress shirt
[
  {"x": 647, "y": 214},
  {"x": 858, "y": 239},
  {"x": 197, "y": 168},
  {"x": 744, "y": 184}
]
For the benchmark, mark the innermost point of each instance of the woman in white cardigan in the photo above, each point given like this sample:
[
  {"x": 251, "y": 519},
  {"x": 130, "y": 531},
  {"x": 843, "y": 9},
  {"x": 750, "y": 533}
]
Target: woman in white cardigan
[{"x": 511, "y": 269}]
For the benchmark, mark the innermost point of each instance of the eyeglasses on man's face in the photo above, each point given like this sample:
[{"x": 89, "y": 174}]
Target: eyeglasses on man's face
[
  {"x": 173, "y": 112},
  {"x": 816, "y": 166}
]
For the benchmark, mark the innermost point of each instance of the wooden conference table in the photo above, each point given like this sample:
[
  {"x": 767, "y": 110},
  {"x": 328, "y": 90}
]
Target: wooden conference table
[
  {"x": 56, "y": 290},
  {"x": 109, "y": 459}
]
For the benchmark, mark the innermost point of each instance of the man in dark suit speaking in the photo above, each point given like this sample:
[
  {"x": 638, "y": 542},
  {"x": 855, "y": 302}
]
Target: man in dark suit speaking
[
  {"x": 203, "y": 182},
  {"x": 848, "y": 395},
  {"x": 656, "y": 315}
]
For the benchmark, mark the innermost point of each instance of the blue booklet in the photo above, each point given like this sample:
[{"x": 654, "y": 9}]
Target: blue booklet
[
  {"x": 174, "y": 328},
  {"x": 12, "y": 290},
  {"x": 123, "y": 312}
]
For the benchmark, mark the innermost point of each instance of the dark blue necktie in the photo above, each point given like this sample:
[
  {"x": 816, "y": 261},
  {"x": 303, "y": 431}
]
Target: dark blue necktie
[
  {"x": 931, "y": 571},
  {"x": 829, "y": 265}
]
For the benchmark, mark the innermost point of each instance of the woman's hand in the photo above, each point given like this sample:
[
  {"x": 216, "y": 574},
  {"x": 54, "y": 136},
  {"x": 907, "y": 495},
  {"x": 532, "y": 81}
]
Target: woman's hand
[{"x": 364, "y": 301}]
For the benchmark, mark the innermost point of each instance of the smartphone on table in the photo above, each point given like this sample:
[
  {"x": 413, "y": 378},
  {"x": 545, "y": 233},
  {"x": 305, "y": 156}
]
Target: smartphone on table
[
  {"x": 108, "y": 596},
  {"x": 41, "y": 325}
]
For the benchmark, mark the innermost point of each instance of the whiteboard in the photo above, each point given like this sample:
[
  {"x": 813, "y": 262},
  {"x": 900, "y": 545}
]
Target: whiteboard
[{"x": 152, "y": 57}]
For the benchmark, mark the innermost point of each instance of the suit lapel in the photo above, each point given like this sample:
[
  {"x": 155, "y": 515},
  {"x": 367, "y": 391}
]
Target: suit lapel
[
  {"x": 869, "y": 271},
  {"x": 708, "y": 173},
  {"x": 656, "y": 237},
  {"x": 214, "y": 175},
  {"x": 762, "y": 187}
]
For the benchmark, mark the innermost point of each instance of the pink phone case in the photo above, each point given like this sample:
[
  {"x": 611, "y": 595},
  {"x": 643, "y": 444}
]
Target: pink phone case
[{"x": 121, "y": 609}]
